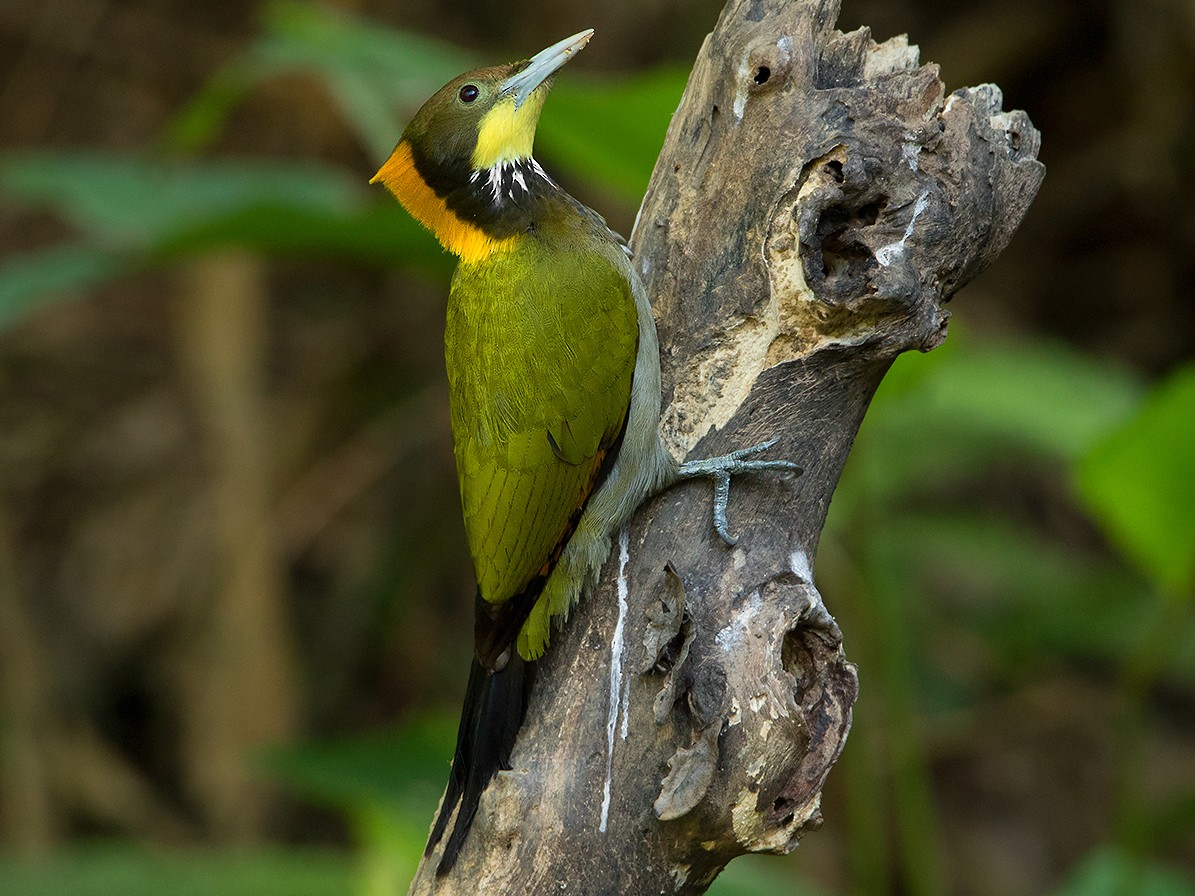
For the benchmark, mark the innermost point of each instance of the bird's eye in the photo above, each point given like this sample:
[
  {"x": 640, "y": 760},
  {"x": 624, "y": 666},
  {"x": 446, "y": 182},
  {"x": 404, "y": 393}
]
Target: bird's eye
[{"x": 469, "y": 93}]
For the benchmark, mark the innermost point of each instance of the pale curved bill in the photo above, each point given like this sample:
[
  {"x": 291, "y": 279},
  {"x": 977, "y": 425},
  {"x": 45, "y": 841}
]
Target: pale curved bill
[{"x": 543, "y": 65}]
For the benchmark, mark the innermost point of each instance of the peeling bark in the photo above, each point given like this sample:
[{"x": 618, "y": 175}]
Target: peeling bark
[{"x": 817, "y": 202}]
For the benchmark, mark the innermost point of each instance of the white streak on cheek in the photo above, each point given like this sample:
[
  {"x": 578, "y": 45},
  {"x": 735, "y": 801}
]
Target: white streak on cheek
[
  {"x": 496, "y": 183},
  {"x": 540, "y": 172},
  {"x": 619, "y": 691}
]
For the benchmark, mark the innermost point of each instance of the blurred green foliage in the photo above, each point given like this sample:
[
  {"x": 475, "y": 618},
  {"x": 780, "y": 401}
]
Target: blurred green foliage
[
  {"x": 1138, "y": 483},
  {"x": 1112, "y": 873},
  {"x": 134, "y": 211},
  {"x": 368, "y": 70},
  {"x": 922, "y": 571},
  {"x": 915, "y": 565},
  {"x": 108, "y": 870},
  {"x": 388, "y": 785}
]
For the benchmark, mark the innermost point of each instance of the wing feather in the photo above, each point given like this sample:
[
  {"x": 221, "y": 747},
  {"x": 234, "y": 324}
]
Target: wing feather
[{"x": 541, "y": 351}]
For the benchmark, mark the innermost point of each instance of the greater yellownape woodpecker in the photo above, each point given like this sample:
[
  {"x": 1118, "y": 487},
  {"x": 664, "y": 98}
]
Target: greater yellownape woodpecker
[{"x": 554, "y": 385}]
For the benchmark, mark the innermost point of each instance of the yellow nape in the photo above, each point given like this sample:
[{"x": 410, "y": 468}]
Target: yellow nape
[
  {"x": 506, "y": 134},
  {"x": 402, "y": 178}
]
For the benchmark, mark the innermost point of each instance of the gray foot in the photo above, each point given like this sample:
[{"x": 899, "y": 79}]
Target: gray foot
[{"x": 720, "y": 469}]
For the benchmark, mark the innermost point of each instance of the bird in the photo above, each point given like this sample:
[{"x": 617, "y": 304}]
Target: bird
[{"x": 554, "y": 390}]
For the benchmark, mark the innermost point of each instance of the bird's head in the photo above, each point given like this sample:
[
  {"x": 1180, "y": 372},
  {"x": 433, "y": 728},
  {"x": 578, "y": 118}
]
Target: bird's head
[{"x": 460, "y": 139}]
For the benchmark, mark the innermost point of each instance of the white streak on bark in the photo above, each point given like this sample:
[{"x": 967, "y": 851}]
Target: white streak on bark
[
  {"x": 888, "y": 254},
  {"x": 798, "y": 562},
  {"x": 619, "y": 693}
]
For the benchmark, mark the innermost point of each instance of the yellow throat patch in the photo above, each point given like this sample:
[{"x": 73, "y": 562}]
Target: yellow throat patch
[{"x": 505, "y": 133}]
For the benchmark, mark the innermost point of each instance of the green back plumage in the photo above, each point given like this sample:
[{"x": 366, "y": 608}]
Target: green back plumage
[{"x": 540, "y": 346}]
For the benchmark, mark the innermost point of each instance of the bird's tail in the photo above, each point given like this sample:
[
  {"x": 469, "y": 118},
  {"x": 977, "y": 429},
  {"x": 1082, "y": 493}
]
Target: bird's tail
[{"x": 490, "y": 719}]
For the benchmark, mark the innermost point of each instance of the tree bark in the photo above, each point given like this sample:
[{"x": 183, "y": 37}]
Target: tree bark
[{"x": 817, "y": 201}]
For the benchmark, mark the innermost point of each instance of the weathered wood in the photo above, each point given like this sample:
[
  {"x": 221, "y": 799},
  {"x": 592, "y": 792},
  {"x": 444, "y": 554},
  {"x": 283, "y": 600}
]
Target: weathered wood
[{"x": 817, "y": 201}]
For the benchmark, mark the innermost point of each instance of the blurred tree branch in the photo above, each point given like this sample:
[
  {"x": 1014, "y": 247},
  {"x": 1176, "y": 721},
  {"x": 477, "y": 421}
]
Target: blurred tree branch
[
  {"x": 27, "y": 817},
  {"x": 241, "y": 682}
]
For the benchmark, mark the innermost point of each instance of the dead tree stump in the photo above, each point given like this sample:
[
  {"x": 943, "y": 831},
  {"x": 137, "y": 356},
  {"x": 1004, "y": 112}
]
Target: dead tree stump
[{"x": 817, "y": 202}]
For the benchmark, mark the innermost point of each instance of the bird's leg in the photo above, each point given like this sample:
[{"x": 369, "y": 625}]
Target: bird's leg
[{"x": 720, "y": 469}]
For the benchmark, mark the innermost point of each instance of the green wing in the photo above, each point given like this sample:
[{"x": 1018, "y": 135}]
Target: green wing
[{"x": 540, "y": 348}]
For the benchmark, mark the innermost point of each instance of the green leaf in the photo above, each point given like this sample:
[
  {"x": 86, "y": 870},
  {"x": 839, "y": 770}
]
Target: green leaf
[
  {"x": 1039, "y": 396},
  {"x": 952, "y": 415},
  {"x": 199, "y": 122},
  {"x": 388, "y": 784},
  {"x": 1028, "y": 600},
  {"x": 382, "y": 235},
  {"x": 29, "y": 281},
  {"x": 1109, "y": 872},
  {"x": 133, "y": 872},
  {"x": 1140, "y": 485},
  {"x": 761, "y": 876},
  {"x": 403, "y": 770},
  {"x": 138, "y": 203},
  {"x": 389, "y": 847},
  {"x": 378, "y": 76},
  {"x": 310, "y": 34},
  {"x": 140, "y": 211}
]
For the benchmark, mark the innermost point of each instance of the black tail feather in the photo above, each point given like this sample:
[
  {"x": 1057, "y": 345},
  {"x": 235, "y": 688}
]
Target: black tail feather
[
  {"x": 490, "y": 721},
  {"x": 478, "y": 676}
]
